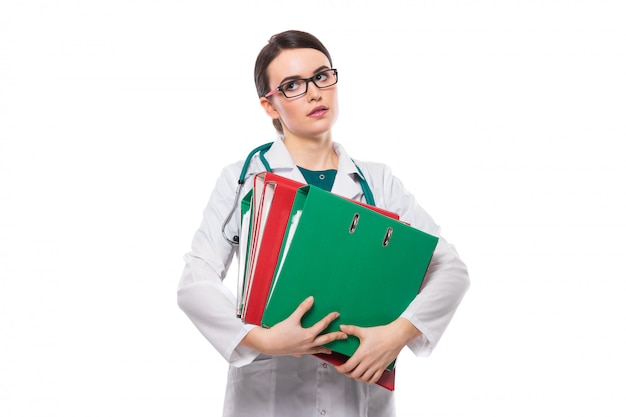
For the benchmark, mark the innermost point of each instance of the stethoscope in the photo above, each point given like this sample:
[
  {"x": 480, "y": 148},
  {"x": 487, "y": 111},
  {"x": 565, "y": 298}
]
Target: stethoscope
[{"x": 262, "y": 150}]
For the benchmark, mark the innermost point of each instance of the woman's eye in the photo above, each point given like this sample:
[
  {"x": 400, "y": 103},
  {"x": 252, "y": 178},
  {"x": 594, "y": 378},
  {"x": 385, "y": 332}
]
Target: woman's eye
[
  {"x": 322, "y": 76},
  {"x": 292, "y": 85}
]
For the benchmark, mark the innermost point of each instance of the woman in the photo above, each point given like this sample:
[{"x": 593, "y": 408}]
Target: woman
[{"x": 271, "y": 370}]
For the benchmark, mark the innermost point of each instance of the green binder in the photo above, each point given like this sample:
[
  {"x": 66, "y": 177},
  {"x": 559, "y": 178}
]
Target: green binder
[{"x": 353, "y": 260}]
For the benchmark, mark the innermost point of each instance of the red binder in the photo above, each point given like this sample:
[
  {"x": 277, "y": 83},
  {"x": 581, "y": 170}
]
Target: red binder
[
  {"x": 266, "y": 246},
  {"x": 387, "y": 380}
]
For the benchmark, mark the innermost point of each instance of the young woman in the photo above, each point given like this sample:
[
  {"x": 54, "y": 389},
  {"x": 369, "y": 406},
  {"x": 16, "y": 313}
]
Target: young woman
[{"x": 271, "y": 370}]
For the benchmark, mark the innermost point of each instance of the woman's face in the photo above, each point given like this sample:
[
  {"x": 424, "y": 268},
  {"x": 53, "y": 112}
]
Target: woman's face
[{"x": 311, "y": 115}]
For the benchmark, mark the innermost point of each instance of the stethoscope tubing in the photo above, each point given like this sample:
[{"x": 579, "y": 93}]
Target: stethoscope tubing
[{"x": 261, "y": 150}]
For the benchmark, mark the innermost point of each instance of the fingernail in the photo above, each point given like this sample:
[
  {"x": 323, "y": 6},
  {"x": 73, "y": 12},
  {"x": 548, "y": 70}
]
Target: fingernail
[{"x": 309, "y": 299}]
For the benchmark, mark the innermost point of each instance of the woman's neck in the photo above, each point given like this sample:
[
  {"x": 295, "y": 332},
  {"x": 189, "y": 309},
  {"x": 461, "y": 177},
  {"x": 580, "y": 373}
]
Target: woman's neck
[{"x": 312, "y": 154}]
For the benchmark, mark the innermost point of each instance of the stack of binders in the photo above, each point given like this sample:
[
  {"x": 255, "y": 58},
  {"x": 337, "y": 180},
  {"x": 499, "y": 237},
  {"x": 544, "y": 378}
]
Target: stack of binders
[{"x": 359, "y": 260}]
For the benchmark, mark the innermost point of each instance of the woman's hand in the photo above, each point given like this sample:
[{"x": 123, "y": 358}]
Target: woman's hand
[
  {"x": 379, "y": 346},
  {"x": 289, "y": 337}
]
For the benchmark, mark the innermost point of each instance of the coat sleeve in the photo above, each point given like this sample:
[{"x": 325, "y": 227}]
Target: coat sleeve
[
  {"x": 208, "y": 303},
  {"x": 446, "y": 280}
]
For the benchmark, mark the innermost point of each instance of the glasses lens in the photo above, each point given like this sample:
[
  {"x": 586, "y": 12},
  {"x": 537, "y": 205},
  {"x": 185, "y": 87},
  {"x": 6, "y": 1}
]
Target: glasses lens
[
  {"x": 325, "y": 79},
  {"x": 293, "y": 88}
]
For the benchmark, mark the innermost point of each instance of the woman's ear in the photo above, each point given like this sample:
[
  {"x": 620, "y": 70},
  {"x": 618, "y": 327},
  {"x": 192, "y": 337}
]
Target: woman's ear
[{"x": 269, "y": 108}]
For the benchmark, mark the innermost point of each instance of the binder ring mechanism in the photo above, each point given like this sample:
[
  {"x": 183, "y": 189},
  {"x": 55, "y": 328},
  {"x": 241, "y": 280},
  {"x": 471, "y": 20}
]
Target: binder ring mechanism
[
  {"x": 387, "y": 237},
  {"x": 355, "y": 222}
]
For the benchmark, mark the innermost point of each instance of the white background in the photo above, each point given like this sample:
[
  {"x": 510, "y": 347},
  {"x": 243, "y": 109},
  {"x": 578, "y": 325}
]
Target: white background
[{"x": 505, "y": 118}]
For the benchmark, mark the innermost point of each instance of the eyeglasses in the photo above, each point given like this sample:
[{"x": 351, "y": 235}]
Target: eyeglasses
[{"x": 299, "y": 87}]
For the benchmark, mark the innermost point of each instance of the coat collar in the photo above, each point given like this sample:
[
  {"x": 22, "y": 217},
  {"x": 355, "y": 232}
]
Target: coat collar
[{"x": 346, "y": 183}]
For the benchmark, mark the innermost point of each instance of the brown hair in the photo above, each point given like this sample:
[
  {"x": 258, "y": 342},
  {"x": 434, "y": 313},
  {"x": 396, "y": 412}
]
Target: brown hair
[{"x": 290, "y": 39}]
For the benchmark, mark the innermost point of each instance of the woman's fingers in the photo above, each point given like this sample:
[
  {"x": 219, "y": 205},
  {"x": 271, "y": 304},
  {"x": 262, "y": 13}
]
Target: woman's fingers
[
  {"x": 304, "y": 306},
  {"x": 321, "y": 325}
]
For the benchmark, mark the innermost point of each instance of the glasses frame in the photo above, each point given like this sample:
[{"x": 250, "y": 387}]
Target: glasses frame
[{"x": 306, "y": 86}]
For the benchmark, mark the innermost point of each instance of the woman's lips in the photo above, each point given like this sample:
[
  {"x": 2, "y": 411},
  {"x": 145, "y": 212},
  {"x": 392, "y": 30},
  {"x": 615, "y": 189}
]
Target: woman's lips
[{"x": 319, "y": 111}]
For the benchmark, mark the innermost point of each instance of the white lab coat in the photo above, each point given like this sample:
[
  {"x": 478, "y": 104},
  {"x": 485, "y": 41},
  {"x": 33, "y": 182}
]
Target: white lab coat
[{"x": 265, "y": 386}]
